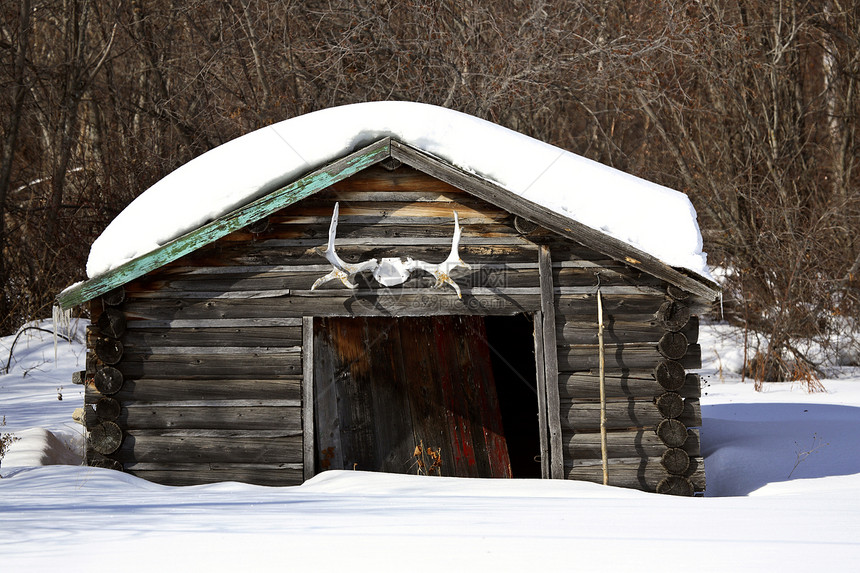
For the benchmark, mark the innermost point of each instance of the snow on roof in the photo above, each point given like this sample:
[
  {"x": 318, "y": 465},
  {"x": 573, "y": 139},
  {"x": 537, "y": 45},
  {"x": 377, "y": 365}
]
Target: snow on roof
[{"x": 650, "y": 217}]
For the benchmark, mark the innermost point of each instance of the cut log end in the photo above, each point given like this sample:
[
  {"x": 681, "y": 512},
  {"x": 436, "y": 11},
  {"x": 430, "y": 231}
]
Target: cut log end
[
  {"x": 676, "y": 485},
  {"x": 109, "y": 350},
  {"x": 673, "y": 315},
  {"x": 670, "y": 404},
  {"x": 108, "y": 380},
  {"x": 673, "y": 345},
  {"x": 670, "y": 375},
  {"x": 112, "y": 323},
  {"x": 677, "y": 293},
  {"x": 114, "y": 297},
  {"x": 524, "y": 226},
  {"x": 676, "y": 461},
  {"x": 106, "y": 463},
  {"x": 108, "y": 409},
  {"x": 672, "y": 432},
  {"x": 105, "y": 438}
]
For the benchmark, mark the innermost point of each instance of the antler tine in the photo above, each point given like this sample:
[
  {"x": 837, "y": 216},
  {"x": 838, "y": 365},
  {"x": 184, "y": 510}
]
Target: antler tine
[
  {"x": 454, "y": 259},
  {"x": 330, "y": 254},
  {"x": 342, "y": 270}
]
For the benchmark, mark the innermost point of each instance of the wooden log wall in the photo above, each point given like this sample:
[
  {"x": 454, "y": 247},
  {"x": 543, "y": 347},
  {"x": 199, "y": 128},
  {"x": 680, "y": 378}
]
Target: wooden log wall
[
  {"x": 195, "y": 404},
  {"x": 195, "y": 370},
  {"x": 199, "y": 365},
  {"x": 652, "y": 407}
]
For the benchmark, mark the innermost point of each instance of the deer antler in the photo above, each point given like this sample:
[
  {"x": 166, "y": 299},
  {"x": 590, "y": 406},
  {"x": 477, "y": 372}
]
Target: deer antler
[
  {"x": 442, "y": 271},
  {"x": 342, "y": 270}
]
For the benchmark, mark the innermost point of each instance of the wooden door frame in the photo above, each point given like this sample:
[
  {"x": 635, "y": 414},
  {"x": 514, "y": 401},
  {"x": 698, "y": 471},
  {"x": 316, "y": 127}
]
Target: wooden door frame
[
  {"x": 547, "y": 330},
  {"x": 308, "y": 445},
  {"x": 546, "y": 366}
]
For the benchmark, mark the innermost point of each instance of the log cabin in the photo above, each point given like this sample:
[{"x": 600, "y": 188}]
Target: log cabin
[{"x": 394, "y": 310}]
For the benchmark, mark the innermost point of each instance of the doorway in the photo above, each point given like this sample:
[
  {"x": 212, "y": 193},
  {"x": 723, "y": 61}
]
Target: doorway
[{"x": 460, "y": 388}]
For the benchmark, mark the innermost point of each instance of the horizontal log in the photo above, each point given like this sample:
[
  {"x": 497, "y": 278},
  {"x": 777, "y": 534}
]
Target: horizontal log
[
  {"x": 254, "y": 285},
  {"x": 213, "y": 294},
  {"x": 215, "y": 323},
  {"x": 156, "y": 390},
  {"x": 394, "y": 242},
  {"x": 234, "y": 337},
  {"x": 282, "y": 228},
  {"x": 232, "y": 447},
  {"x": 638, "y": 473},
  {"x": 204, "y": 475},
  {"x": 381, "y": 180},
  {"x": 621, "y": 356},
  {"x": 239, "y": 254},
  {"x": 495, "y": 277},
  {"x": 622, "y": 414},
  {"x": 283, "y": 418},
  {"x": 210, "y": 366},
  {"x": 241, "y": 352},
  {"x": 387, "y": 302},
  {"x": 215, "y": 466},
  {"x": 613, "y": 304},
  {"x": 611, "y": 273},
  {"x": 586, "y": 385},
  {"x": 189, "y": 433},
  {"x": 376, "y": 301},
  {"x": 618, "y": 332},
  {"x": 623, "y": 444},
  {"x": 185, "y": 272},
  {"x": 216, "y": 403},
  {"x": 318, "y": 209},
  {"x": 623, "y": 304},
  {"x": 372, "y": 192}
]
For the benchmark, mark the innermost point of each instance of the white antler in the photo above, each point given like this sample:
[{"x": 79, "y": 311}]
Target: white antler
[
  {"x": 342, "y": 270},
  {"x": 442, "y": 271}
]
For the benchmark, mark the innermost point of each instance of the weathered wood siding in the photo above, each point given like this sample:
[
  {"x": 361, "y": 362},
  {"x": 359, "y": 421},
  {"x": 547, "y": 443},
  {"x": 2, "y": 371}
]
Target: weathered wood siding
[
  {"x": 212, "y": 352},
  {"x": 638, "y": 312}
]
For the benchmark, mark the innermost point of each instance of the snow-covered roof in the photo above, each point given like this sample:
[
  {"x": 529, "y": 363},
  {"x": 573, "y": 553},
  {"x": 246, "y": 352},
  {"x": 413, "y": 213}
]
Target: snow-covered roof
[{"x": 652, "y": 218}]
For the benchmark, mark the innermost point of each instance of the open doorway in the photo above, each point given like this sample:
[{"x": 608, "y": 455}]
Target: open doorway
[
  {"x": 512, "y": 350},
  {"x": 384, "y": 386}
]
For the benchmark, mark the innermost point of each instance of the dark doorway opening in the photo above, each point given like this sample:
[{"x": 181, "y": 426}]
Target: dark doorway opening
[
  {"x": 512, "y": 351},
  {"x": 462, "y": 385}
]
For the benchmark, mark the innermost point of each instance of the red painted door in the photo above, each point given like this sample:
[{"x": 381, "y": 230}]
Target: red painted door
[{"x": 384, "y": 386}]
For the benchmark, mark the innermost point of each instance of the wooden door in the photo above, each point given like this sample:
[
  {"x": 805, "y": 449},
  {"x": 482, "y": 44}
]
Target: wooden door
[{"x": 383, "y": 386}]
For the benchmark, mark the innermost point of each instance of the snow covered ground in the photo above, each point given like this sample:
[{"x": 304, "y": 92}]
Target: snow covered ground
[{"x": 783, "y": 470}]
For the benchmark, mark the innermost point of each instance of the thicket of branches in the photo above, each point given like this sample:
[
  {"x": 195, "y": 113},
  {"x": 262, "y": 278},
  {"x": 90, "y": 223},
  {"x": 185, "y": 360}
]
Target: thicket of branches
[{"x": 748, "y": 106}]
